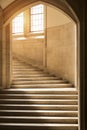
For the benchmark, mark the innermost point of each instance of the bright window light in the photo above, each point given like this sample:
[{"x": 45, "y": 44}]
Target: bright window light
[
  {"x": 37, "y": 18},
  {"x": 18, "y": 24}
]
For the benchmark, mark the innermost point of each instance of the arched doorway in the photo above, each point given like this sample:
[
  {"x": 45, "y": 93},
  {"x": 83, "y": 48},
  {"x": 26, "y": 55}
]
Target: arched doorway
[
  {"x": 43, "y": 47},
  {"x": 7, "y": 63},
  {"x": 71, "y": 14}
]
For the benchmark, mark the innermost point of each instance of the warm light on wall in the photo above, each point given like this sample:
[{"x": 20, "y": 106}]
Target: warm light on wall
[
  {"x": 36, "y": 16},
  {"x": 18, "y": 24}
]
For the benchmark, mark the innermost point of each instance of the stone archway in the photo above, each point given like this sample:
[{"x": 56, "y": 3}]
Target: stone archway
[
  {"x": 8, "y": 13},
  {"x": 18, "y": 7}
]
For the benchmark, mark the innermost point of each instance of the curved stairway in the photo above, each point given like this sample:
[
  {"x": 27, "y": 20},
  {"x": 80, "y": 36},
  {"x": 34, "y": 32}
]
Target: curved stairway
[{"x": 38, "y": 100}]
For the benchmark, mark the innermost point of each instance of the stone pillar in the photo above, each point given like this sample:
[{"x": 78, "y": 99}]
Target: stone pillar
[
  {"x": 6, "y": 57},
  {"x": 1, "y": 24}
]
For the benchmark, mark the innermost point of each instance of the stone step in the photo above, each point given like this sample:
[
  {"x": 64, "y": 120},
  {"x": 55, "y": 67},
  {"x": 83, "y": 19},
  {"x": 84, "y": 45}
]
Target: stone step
[
  {"x": 40, "y": 101},
  {"x": 67, "y": 91},
  {"x": 38, "y": 106},
  {"x": 38, "y": 126},
  {"x": 34, "y": 78},
  {"x": 26, "y": 69},
  {"x": 39, "y": 82},
  {"x": 22, "y": 66},
  {"x": 34, "y": 75},
  {"x": 43, "y": 113},
  {"x": 38, "y": 96},
  {"x": 31, "y": 76},
  {"x": 41, "y": 85},
  {"x": 28, "y": 72},
  {"x": 40, "y": 119}
]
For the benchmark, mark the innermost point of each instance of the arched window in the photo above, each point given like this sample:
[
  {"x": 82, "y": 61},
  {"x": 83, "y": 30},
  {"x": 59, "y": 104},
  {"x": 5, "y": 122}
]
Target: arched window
[
  {"x": 18, "y": 24},
  {"x": 37, "y": 18}
]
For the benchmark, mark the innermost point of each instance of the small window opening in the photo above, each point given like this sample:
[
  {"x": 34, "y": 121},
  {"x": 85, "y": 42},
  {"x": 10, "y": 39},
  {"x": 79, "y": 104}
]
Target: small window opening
[
  {"x": 37, "y": 18},
  {"x": 18, "y": 24}
]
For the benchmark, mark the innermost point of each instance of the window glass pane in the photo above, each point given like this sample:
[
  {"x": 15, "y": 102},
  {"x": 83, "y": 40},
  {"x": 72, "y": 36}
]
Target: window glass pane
[
  {"x": 37, "y": 15},
  {"x": 18, "y": 24}
]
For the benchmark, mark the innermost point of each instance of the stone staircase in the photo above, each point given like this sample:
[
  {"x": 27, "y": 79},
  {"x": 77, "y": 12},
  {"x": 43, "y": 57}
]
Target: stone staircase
[{"x": 38, "y": 100}]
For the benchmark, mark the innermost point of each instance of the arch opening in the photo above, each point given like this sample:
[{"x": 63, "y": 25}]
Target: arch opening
[
  {"x": 52, "y": 51},
  {"x": 49, "y": 47}
]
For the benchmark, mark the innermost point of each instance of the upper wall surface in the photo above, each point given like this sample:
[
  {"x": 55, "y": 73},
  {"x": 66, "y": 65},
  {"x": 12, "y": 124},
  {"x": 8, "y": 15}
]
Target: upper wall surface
[
  {"x": 56, "y": 17},
  {"x": 17, "y": 5},
  {"x": 5, "y": 3}
]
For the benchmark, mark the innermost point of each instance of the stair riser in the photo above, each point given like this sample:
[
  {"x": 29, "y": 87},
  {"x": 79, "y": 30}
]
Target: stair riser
[
  {"x": 13, "y": 127},
  {"x": 40, "y": 102},
  {"x": 37, "y": 82},
  {"x": 38, "y": 108},
  {"x": 63, "y": 121},
  {"x": 21, "y": 71},
  {"x": 38, "y": 97},
  {"x": 38, "y": 92},
  {"x": 31, "y": 75},
  {"x": 59, "y": 114},
  {"x": 15, "y": 68},
  {"x": 39, "y": 86},
  {"x": 21, "y": 64},
  {"x": 26, "y": 69},
  {"x": 35, "y": 79}
]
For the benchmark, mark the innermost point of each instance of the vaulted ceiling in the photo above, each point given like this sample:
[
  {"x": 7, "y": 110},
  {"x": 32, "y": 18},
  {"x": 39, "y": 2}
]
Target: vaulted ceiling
[{"x": 5, "y": 3}]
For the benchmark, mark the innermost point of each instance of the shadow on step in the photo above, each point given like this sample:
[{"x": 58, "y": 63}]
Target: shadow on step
[{"x": 18, "y": 114}]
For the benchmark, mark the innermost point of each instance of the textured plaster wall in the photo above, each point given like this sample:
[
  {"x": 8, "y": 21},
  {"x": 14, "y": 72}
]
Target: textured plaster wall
[
  {"x": 61, "y": 51},
  {"x": 30, "y": 49},
  {"x": 61, "y": 45},
  {"x": 56, "y": 17}
]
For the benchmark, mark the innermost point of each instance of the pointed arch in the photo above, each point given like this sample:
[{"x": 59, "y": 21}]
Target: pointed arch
[{"x": 20, "y": 4}]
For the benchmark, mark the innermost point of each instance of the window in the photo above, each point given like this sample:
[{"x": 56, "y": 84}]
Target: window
[
  {"x": 18, "y": 24},
  {"x": 37, "y": 18}
]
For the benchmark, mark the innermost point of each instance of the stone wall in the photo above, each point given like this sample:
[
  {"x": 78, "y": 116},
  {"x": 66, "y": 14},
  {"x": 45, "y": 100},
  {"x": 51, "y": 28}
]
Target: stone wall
[
  {"x": 61, "y": 55},
  {"x": 30, "y": 49}
]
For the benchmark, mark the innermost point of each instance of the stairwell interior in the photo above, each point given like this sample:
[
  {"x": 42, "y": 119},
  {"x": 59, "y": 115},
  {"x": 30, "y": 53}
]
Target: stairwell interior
[
  {"x": 43, "y": 93},
  {"x": 38, "y": 100}
]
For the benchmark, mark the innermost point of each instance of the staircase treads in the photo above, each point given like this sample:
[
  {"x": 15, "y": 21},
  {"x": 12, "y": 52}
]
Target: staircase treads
[
  {"x": 40, "y": 82},
  {"x": 39, "y": 113},
  {"x": 38, "y": 106},
  {"x": 39, "y": 91},
  {"x": 32, "y": 70},
  {"x": 29, "y": 72},
  {"x": 38, "y": 96},
  {"x": 34, "y": 78},
  {"x": 40, "y": 101},
  {"x": 26, "y": 69},
  {"x": 30, "y": 76},
  {"x": 42, "y": 85},
  {"x": 34, "y": 75},
  {"x": 40, "y": 119},
  {"x": 40, "y": 126}
]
